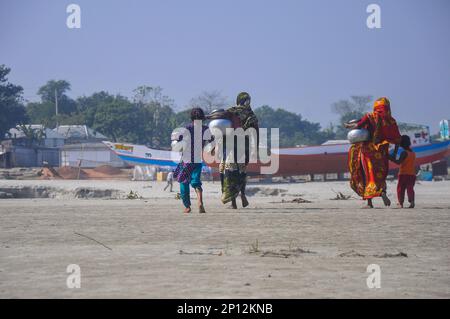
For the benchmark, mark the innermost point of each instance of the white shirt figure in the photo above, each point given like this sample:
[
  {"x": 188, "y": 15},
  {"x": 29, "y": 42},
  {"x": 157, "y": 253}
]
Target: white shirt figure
[{"x": 169, "y": 180}]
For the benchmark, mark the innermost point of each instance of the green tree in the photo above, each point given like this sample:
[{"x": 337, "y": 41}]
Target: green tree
[
  {"x": 71, "y": 119},
  {"x": 33, "y": 136},
  {"x": 351, "y": 109},
  {"x": 120, "y": 120},
  {"x": 161, "y": 122},
  {"x": 145, "y": 95},
  {"x": 11, "y": 108},
  {"x": 41, "y": 113},
  {"x": 156, "y": 111},
  {"x": 45, "y": 111},
  {"x": 209, "y": 101},
  {"x": 87, "y": 106},
  {"x": 52, "y": 89},
  {"x": 293, "y": 129},
  {"x": 182, "y": 118}
]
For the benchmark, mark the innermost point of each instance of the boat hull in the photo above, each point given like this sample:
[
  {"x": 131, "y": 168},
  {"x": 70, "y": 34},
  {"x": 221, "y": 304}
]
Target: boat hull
[{"x": 322, "y": 159}]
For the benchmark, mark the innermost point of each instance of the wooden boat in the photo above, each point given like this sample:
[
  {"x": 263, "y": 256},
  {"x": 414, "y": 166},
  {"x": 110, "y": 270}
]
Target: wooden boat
[{"x": 320, "y": 159}]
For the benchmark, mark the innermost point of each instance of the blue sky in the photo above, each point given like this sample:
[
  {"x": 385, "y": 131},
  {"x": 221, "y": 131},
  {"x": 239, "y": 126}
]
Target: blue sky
[{"x": 301, "y": 55}]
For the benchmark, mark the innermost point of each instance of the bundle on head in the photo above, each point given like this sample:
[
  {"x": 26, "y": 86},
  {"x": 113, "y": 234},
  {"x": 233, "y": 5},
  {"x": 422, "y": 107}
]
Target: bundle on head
[{"x": 197, "y": 114}]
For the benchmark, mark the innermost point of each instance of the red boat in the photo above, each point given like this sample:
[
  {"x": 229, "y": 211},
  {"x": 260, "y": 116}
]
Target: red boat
[{"x": 320, "y": 159}]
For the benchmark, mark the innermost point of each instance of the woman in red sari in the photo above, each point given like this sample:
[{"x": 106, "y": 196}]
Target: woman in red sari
[{"x": 369, "y": 161}]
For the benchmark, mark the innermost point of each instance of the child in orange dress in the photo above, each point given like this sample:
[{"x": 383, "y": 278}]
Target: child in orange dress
[{"x": 407, "y": 173}]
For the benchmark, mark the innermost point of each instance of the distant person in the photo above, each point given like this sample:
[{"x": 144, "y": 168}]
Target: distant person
[
  {"x": 169, "y": 180},
  {"x": 189, "y": 173},
  {"x": 407, "y": 172}
]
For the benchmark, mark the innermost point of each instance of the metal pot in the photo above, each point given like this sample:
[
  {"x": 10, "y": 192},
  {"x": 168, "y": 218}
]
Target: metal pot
[
  {"x": 221, "y": 124},
  {"x": 358, "y": 135}
]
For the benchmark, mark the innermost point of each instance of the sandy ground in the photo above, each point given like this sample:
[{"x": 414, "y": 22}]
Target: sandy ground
[{"x": 273, "y": 249}]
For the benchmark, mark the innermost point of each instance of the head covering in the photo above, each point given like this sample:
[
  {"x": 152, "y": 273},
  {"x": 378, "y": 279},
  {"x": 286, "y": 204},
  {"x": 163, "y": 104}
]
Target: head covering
[
  {"x": 382, "y": 101},
  {"x": 243, "y": 99},
  {"x": 243, "y": 113},
  {"x": 386, "y": 128},
  {"x": 382, "y": 107}
]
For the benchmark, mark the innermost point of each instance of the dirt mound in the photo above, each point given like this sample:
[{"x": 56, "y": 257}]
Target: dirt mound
[
  {"x": 68, "y": 172},
  {"x": 30, "y": 192},
  {"x": 88, "y": 193},
  {"x": 251, "y": 191},
  {"x": 49, "y": 173},
  {"x": 108, "y": 170},
  {"x": 20, "y": 173},
  {"x": 52, "y": 192},
  {"x": 297, "y": 200},
  {"x": 353, "y": 253}
]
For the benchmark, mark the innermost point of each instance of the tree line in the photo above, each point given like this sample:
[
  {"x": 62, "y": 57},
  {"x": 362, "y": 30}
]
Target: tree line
[{"x": 149, "y": 116}]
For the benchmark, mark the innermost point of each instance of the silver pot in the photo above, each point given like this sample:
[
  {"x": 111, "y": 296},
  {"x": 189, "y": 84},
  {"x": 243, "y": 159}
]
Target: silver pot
[
  {"x": 221, "y": 124},
  {"x": 358, "y": 135}
]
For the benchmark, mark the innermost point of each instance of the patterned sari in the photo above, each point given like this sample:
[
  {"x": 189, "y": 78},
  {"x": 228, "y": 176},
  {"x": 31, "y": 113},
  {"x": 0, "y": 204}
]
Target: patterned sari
[
  {"x": 234, "y": 180},
  {"x": 368, "y": 161},
  {"x": 233, "y": 172}
]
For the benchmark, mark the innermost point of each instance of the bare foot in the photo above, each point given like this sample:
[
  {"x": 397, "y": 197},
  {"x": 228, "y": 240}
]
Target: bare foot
[
  {"x": 399, "y": 205},
  {"x": 244, "y": 201},
  {"x": 386, "y": 200},
  {"x": 369, "y": 203},
  {"x": 201, "y": 209},
  {"x": 200, "y": 198},
  {"x": 187, "y": 210},
  {"x": 367, "y": 207}
]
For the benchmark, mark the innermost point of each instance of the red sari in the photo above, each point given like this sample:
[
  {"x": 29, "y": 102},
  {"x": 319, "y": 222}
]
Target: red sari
[{"x": 368, "y": 161}]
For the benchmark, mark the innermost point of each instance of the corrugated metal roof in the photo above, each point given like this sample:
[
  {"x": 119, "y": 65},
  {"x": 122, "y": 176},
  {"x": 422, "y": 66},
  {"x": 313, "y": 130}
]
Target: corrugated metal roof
[
  {"x": 78, "y": 132},
  {"x": 18, "y": 133}
]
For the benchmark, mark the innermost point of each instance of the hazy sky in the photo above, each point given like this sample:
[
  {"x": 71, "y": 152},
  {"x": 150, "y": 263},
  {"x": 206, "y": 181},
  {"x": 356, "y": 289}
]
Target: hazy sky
[{"x": 300, "y": 55}]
